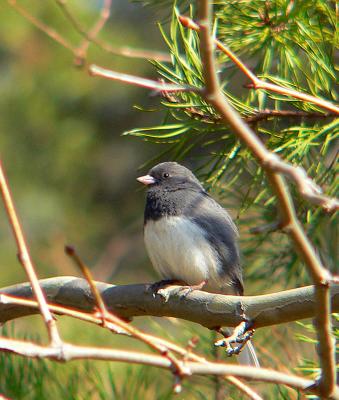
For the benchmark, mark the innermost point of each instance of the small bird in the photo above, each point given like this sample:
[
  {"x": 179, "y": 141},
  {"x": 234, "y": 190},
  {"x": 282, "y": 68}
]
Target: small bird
[{"x": 189, "y": 237}]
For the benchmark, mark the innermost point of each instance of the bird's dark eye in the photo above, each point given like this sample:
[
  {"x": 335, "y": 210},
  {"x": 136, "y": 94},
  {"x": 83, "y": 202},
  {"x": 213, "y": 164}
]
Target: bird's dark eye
[{"x": 165, "y": 174}]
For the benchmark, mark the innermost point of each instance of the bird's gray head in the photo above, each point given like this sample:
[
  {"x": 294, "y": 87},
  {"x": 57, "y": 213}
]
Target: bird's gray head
[{"x": 170, "y": 176}]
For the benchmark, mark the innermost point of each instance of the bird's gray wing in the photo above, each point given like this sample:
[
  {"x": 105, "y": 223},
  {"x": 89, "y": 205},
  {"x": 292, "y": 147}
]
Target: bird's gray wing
[{"x": 221, "y": 232}]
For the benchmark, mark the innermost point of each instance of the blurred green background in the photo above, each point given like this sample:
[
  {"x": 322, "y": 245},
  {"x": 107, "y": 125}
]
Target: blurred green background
[
  {"x": 71, "y": 171},
  {"x": 72, "y": 175}
]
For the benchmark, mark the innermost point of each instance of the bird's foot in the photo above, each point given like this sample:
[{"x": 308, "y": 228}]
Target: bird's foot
[
  {"x": 163, "y": 288},
  {"x": 160, "y": 287},
  {"x": 235, "y": 342},
  {"x": 191, "y": 288}
]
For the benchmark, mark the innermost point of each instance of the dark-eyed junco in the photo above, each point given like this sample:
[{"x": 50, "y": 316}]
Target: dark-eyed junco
[{"x": 189, "y": 237}]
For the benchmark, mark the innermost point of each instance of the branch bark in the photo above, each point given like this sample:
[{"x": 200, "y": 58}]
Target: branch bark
[
  {"x": 90, "y": 36},
  {"x": 259, "y": 83},
  {"x": 95, "y": 70},
  {"x": 320, "y": 275},
  {"x": 207, "y": 309},
  {"x": 72, "y": 352},
  {"x": 25, "y": 258}
]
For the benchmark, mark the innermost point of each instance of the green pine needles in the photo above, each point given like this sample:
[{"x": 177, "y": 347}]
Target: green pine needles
[{"x": 290, "y": 44}]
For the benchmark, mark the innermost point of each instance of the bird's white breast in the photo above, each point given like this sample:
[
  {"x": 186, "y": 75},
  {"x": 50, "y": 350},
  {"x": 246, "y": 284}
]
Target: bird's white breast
[{"x": 179, "y": 249}]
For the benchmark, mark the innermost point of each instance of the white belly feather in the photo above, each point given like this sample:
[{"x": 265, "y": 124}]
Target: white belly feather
[{"x": 178, "y": 249}]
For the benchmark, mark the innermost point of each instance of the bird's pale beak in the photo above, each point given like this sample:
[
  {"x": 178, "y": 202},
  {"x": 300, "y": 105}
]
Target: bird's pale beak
[{"x": 146, "y": 179}]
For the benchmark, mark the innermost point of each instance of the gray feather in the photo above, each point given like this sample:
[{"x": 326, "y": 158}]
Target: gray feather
[
  {"x": 222, "y": 234},
  {"x": 248, "y": 356}
]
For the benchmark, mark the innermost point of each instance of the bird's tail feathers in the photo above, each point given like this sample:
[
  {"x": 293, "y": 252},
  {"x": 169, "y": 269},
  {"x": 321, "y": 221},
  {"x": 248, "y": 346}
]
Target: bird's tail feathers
[{"x": 248, "y": 356}]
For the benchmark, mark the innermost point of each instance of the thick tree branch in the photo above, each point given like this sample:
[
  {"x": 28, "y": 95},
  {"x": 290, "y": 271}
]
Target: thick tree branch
[{"x": 207, "y": 309}]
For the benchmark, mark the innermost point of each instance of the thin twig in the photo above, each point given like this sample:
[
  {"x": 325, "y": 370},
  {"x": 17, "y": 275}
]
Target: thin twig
[
  {"x": 70, "y": 251},
  {"x": 306, "y": 186},
  {"x": 260, "y": 115},
  {"x": 320, "y": 275},
  {"x": 105, "y": 13},
  {"x": 61, "y": 310},
  {"x": 132, "y": 52},
  {"x": 267, "y": 228},
  {"x": 259, "y": 83},
  {"x": 255, "y": 116},
  {"x": 73, "y": 352},
  {"x": 53, "y": 34},
  {"x": 244, "y": 388},
  {"x": 95, "y": 70},
  {"x": 105, "y": 315},
  {"x": 187, "y": 355},
  {"x": 123, "y": 51},
  {"x": 26, "y": 261}
]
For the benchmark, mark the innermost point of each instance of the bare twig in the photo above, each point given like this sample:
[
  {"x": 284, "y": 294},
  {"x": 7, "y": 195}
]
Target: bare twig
[
  {"x": 97, "y": 27},
  {"x": 60, "y": 310},
  {"x": 259, "y": 83},
  {"x": 270, "y": 227},
  {"x": 273, "y": 167},
  {"x": 73, "y": 352},
  {"x": 105, "y": 316},
  {"x": 306, "y": 186},
  {"x": 320, "y": 275},
  {"x": 261, "y": 115},
  {"x": 26, "y": 261},
  {"x": 69, "y": 250},
  {"x": 255, "y": 116},
  {"x": 244, "y": 388},
  {"x": 187, "y": 354},
  {"x": 78, "y": 53},
  {"x": 90, "y": 37},
  {"x": 53, "y": 34},
  {"x": 132, "y": 52},
  {"x": 95, "y": 70}
]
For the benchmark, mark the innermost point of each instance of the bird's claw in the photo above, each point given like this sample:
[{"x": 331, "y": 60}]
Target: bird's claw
[
  {"x": 189, "y": 289},
  {"x": 237, "y": 340},
  {"x": 156, "y": 286},
  {"x": 160, "y": 288}
]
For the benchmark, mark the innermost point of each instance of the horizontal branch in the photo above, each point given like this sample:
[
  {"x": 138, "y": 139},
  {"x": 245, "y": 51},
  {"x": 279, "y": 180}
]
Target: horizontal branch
[
  {"x": 207, "y": 309},
  {"x": 254, "y": 117},
  {"x": 260, "y": 115},
  {"x": 72, "y": 352}
]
